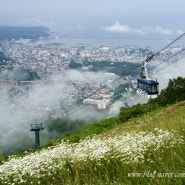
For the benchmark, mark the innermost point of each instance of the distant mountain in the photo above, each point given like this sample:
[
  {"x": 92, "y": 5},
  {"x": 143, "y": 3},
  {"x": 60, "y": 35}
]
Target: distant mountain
[{"x": 14, "y": 32}]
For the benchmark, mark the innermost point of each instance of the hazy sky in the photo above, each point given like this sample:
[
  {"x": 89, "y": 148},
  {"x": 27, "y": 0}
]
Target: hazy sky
[{"x": 140, "y": 17}]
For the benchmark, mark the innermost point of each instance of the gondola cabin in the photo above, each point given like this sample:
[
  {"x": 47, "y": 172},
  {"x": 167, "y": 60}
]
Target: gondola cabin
[
  {"x": 149, "y": 88},
  {"x": 146, "y": 85}
]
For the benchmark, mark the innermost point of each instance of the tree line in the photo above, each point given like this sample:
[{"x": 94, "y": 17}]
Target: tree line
[{"x": 119, "y": 68}]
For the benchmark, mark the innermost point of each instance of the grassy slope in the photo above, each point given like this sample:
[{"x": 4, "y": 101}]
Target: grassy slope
[
  {"x": 165, "y": 118},
  {"x": 169, "y": 162},
  {"x": 172, "y": 160}
]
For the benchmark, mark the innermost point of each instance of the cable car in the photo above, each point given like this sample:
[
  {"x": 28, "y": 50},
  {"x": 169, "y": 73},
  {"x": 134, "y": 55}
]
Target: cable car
[{"x": 146, "y": 85}]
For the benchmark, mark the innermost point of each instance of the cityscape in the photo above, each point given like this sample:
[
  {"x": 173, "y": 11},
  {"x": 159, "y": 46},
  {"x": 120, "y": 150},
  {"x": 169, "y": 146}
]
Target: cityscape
[
  {"x": 49, "y": 59},
  {"x": 92, "y": 92}
]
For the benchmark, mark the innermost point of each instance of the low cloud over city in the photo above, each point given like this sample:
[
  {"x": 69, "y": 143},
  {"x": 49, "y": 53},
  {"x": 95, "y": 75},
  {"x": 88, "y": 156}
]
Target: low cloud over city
[{"x": 125, "y": 28}]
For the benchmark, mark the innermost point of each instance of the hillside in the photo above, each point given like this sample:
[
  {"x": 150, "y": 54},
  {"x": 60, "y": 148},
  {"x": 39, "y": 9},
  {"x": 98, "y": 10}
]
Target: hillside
[
  {"x": 144, "y": 144},
  {"x": 15, "y": 32},
  {"x": 144, "y": 150}
]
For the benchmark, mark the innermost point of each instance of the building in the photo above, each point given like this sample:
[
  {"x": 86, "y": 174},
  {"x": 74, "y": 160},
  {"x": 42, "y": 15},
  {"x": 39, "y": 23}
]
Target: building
[{"x": 100, "y": 103}]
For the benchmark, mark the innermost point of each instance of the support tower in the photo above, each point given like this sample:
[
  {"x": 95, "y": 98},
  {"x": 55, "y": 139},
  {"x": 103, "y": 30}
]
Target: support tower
[{"x": 37, "y": 128}]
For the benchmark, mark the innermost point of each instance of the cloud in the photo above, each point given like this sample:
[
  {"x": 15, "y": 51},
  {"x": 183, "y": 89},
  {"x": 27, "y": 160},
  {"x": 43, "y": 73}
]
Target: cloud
[
  {"x": 125, "y": 28},
  {"x": 117, "y": 27},
  {"x": 170, "y": 70},
  {"x": 57, "y": 96},
  {"x": 34, "y": 22},
  {"x": 163, "y": 31}
]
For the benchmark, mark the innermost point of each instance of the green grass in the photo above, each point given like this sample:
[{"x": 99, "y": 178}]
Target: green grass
[{"x": 163, "y": 166}]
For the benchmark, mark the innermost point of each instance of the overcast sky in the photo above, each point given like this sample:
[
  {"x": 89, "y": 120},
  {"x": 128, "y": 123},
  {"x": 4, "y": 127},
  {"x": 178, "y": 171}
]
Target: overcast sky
[{"x": 140, "y": 17}]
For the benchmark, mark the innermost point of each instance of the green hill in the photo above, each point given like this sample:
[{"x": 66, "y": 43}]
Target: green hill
[
  {"x": 144, "y": 144},
  {"x": 18, "y": 32}
]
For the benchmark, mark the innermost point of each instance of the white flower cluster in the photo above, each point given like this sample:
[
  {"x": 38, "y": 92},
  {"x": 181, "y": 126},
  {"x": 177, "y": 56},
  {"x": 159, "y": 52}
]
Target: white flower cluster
[{"x": 128, "y": 147}]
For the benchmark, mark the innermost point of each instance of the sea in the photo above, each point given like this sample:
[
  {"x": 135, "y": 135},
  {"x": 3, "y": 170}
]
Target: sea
[{"x": 112, "y": 40}]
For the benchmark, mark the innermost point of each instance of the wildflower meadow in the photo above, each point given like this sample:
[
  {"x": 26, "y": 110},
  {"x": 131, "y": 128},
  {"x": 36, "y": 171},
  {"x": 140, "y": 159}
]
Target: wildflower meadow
[{"x": 66, "y": 160}]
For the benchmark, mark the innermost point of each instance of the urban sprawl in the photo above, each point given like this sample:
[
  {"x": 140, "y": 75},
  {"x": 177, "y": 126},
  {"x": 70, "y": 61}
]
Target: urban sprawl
[{"x": 47, "y": 58}]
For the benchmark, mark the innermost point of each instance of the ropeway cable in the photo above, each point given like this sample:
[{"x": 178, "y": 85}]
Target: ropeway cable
[{"x": 149, "y": 58}]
